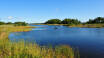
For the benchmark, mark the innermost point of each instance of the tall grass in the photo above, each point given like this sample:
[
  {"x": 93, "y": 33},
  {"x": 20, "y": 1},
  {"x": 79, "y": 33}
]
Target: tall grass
[{"x": 30, "y": 50}]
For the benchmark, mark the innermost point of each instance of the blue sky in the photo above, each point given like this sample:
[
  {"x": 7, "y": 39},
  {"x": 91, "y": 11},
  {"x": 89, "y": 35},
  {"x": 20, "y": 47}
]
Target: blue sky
[{"x": 37, "y": 11}]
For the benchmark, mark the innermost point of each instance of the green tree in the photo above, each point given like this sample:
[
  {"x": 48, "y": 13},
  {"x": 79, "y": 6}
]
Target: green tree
[
  {"x": 70, "y": 21},
  {"x": 75, "y": 21},
  {"x": 1, "y": 23},
  {"x": 20, "y": 24},
  {"x": 96, "y": 20},
  {"x": 53, "y": 21},
  {"x": 90, "y": 21},
  {"x": 9, "y": 23},
  {"x": 66, "y": 21},
  {"x": 99, "y": 20}
]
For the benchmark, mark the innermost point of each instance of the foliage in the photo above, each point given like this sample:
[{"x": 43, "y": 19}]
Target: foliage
[
  {"x": 70, "y": 21},
  {"x": 1, "y": 23},
  {"x": 16, "y": 23},
  {"x": 65, "y": 21},
  {"x": 53, "y": 21},
  {"x": 20, "y": 24},
  {"x": 96, "y": 20},
  {"x": 9, "y": 23},
  {"x": 31, "y": 50}
]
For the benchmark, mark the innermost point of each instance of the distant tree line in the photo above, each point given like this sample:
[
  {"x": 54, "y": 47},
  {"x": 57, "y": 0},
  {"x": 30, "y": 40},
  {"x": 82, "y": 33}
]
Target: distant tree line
[
  {"x": 15, "y": 23},
  {"x": 21, "y": 23},
  {"x": 2, "y": 23},
  {"x": 97, "y": 20},
  {"x": 65, "y": 21},
  {"x": 53, "y": 21},
  {"x": 70, "y": 21}
]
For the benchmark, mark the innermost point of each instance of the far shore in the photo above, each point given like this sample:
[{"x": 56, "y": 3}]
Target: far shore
[
  {"x": 79, "y": 25},
  {"x": 49, "y": 24},
  {"x": 88, "y": 25}
]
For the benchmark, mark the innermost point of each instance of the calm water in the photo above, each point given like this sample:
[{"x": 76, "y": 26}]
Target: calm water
[{"x": 89, "y": 41}]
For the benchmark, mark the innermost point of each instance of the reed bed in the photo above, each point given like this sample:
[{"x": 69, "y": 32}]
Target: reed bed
[{"x": 29, "y": 50}]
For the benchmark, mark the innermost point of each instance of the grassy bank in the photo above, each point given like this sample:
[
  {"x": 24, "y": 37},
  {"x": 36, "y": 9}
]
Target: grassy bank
[
  {"x": 29, "y": 50},
  {"x": 88, "y": 25},
  {"x": 11, "y": 28},
  {"x": 6, "y": 29}
]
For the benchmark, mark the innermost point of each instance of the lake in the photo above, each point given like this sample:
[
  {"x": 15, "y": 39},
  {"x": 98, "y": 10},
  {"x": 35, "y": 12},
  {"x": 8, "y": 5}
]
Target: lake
[{"x": 89, "y": 41}]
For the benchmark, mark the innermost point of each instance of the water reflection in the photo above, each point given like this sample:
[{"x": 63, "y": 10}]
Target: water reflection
[{"x": 89, "y": 41}]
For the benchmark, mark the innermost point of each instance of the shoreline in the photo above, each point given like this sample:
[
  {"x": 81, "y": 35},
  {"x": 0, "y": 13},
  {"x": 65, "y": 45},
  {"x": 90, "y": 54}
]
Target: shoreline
[
  {"x": 6, "y": 30},
  {"x": 88, "y": 25},
  {"x": 78, "y": 25},
  {"x": 49, "y": 24}
]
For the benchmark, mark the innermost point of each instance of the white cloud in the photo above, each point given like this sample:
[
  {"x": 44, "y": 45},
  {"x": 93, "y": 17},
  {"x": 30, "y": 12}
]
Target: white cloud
[{"x": 10, "y": 17}]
